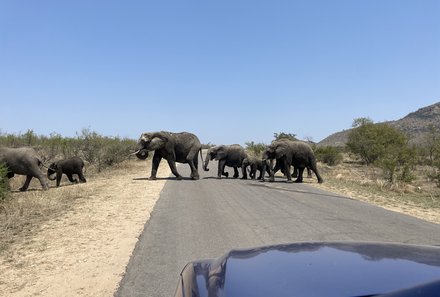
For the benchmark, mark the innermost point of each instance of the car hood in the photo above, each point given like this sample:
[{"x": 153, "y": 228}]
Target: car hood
[{"x": 312, "y": 269}]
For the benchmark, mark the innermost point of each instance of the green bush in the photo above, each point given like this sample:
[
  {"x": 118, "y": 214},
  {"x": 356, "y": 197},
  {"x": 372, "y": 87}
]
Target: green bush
[
  {"x": 329, "y": 155},
  {"x": 283, "y": 135},
  {"x": 255, "y": 148},
  {"x": 383, "y": 146},
  {"x": 95, "y": 149}
]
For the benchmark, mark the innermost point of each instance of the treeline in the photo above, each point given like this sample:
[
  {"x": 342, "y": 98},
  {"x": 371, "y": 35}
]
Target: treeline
[
  {"x": 98, "y": 150},
  {"x": 377, "y": 145}
]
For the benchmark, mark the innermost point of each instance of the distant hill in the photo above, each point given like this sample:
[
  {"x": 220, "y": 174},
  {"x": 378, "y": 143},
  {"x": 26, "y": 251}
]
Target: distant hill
[{"x": 415, "y": 125}]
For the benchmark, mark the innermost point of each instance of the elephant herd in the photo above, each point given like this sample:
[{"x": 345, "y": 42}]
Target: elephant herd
[
  {"x": 25, "y": 161},
  {"x": 181, "y": 147},
  {"x": 184, "y": 147}
]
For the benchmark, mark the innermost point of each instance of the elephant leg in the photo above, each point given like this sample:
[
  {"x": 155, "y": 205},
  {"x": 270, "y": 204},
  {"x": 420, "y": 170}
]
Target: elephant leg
[
  {"x": 59, "y": 175},
  {"x": 318, "y": 176},
  {"x": 287, "y": 170},
  {"x": 43, "y": 181},
  {"x": 244, "y": 173},
  {"x": 26, "y": 183},
  {"x": 173, "y": 168},
  {"x": 81, "y": 177},
  {"x": 261, "y": 174},
  {"x": 71, "y": 179},
  {"x": 299, "y": 179},
  {"x": 253, "y": 171},
  {"x": 274, "y": 170},
  {"x": 193, "y": 164},
  {"x": 235, "y": 172},
  {"x": 155, "y": 165},
  {"x": 309, "y": 173},
  {"x": 221, "y": 169},
  {"x": 295, "y": 172}
]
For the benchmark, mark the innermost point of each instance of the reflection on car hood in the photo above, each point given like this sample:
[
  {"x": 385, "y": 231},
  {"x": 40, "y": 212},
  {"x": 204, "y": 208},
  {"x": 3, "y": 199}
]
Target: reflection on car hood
[{"x": 312, "y": 269}]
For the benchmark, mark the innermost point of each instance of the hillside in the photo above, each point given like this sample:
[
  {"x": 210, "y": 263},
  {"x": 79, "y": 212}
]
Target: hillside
[{"x": 416, "y": 125}]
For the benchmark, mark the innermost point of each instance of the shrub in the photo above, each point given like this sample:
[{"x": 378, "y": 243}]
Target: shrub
[
  {"x": 329, "y": 155},
  {"x": 384, "y": 146},
  {"x": 255, "y": 148},
  {"x": 98, "y": 150}
]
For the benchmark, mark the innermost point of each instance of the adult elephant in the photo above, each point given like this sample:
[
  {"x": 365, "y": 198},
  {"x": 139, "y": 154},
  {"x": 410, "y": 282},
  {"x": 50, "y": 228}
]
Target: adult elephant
[
  {"x": 255, "y": 164},
  {"x": 226, "y": 155},
  {"x": 23, "y": 161},
  {"x": 174, "y": 147},
  {"x": 68, "y": 167},
  {"x": 291, "y": 153}
]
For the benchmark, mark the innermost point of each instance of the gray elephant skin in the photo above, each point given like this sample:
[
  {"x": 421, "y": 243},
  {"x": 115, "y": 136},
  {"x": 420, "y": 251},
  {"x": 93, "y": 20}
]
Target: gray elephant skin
[
  {"x": 23, "y": 161},
  {"x": 226, "y": 155},
  {"x": 180, "y": 147},
  {"x": 68, "y": 167},
  {"x": 291, "y": 153},
  {"x": 255, "y": 164}
]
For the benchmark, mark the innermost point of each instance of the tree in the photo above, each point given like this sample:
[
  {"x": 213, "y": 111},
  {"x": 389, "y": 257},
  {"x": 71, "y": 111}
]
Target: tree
[
  {"x": 283, "y": 135},
  {"x": 433, "y": 144},
  {"x": 384, "y": 146}
]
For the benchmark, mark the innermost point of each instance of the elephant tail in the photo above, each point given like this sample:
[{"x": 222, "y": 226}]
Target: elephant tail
[{"x": 201, "y": 156}]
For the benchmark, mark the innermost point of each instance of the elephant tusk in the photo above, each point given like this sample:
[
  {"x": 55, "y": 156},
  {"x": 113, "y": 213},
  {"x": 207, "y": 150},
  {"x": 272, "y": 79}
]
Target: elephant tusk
[{"x": 136, "y": 152}]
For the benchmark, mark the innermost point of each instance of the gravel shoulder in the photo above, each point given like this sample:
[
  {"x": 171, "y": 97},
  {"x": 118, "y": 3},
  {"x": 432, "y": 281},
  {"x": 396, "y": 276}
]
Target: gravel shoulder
[{"x": 84, "y": 252}]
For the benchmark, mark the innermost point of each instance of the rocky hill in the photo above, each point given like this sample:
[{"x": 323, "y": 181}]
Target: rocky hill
[{"x": 416, "y": 125}]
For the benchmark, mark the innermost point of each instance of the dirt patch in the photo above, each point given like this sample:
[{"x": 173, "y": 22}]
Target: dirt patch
[
  {"x": 84, "y": 248},
  {"x": 420, "y": 199},
  {"x": 83, "y": 252}
]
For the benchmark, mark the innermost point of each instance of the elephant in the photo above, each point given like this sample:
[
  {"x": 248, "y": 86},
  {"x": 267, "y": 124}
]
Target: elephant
[
  {"x": 69, "y": 167},
  {"x": 291, "y": 153},
  {"x": 23, "y": 161},
  {"x": 255, "y": 164},
  {"x": 226, "y": 155},
  {"x": 180, "y": 147}
]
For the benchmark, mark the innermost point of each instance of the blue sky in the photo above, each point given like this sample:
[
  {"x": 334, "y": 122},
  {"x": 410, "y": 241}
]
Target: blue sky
[{"x": 230, "y": 71}]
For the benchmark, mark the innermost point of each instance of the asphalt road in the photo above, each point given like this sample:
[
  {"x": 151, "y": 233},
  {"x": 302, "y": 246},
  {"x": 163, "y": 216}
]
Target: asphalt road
[{"x": 204, "y": 219}]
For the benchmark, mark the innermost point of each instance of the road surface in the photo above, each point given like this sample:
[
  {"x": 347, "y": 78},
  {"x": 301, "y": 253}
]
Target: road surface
[{"x": 204, "y": 219}]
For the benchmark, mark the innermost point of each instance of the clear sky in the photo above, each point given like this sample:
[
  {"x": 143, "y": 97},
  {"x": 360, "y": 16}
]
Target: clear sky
[{"x": 230, "y": 71}]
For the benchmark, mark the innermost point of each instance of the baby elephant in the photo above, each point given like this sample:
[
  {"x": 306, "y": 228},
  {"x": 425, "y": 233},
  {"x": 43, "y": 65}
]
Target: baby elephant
[{"x": 69, "y": 167}]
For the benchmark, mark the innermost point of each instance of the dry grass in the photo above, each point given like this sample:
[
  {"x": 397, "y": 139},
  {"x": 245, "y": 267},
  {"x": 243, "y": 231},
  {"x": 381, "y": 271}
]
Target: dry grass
[
  {"x": 75, "y": 240},
  {"x": 22, "y": 213},
  {"x": 420, "y": 198}
]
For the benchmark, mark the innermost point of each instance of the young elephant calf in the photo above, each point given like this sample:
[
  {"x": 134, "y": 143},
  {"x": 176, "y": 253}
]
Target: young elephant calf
[{"x": 69, "y": 167}]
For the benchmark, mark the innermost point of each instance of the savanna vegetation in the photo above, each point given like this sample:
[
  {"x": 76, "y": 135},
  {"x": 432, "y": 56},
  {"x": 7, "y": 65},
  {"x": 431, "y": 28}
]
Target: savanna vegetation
[
  {"x": 23, "y": 212},
  {"x": 379, "y": 164}
]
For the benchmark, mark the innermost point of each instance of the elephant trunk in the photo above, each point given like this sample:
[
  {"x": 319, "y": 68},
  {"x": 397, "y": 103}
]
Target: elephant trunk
[
  {"x": 205, "y": 166},
  {"x": 51, "y": 173},
  {"x": 141, "y": 154}
]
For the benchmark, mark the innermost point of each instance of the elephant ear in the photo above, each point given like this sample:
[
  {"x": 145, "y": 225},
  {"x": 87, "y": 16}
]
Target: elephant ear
[
  {"x": 156, "y": 143},
  {"x": 221, "y": 153},
  {"x": 280, "y": 151}
]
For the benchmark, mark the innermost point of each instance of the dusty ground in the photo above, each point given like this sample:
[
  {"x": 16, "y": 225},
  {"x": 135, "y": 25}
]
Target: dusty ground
[
  {"x": 84, "y": 251},
  {"x": 420, "y": 198}
]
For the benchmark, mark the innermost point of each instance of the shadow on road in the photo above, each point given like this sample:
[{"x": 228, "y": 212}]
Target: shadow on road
[{"x": 162, "y": 178}]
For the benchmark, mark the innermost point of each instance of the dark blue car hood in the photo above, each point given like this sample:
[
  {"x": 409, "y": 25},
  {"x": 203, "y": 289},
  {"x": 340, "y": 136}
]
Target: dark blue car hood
[{"x": 312, "y": 269}]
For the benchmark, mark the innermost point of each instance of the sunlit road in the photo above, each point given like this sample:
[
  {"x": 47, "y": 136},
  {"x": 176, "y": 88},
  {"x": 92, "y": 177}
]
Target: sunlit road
[{"x": 203, "y": 219}]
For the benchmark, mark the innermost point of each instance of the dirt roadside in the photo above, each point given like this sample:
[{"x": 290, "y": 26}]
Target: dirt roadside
[{"x": 85, "y": 251}]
